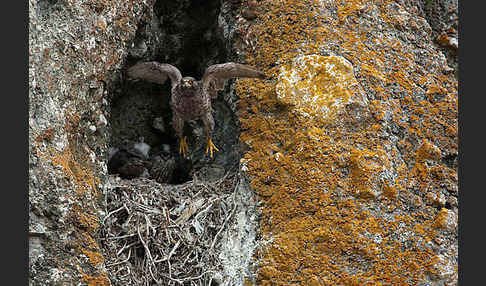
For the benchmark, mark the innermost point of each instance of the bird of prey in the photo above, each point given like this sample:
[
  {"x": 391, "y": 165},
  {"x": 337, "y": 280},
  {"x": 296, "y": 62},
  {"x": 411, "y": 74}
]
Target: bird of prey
[
  {"x": 128, "y": 165},
  {"x": 191, "y": 99},
  {"x": 130, "y": 160},
  {"x": 162, "y": 167}
]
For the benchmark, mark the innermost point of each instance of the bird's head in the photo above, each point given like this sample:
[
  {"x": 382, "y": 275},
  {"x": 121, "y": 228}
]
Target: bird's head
[{"x": 188, "y": 81}]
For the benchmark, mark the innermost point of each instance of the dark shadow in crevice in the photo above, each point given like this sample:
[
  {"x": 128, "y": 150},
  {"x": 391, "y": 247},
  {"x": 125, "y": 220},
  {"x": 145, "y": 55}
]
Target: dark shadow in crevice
[{"x": 185, "y": 34}]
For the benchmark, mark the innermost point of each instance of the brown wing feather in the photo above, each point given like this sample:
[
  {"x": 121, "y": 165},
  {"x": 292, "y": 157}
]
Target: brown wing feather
[
  {"x": 155, "y": 72},
  {"x": 215, "y": 75}
]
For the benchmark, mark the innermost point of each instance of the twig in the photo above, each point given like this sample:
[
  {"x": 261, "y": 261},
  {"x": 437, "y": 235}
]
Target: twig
[
  {"x": 197, "y": 277},
  {"x": 120, "y": 262},
  {"x": 170, "y": 254},
  {"x": 210, "y": 204},
  {"x": 147, "y": 250},
  {"x": 225, "y": 221},
  {"x": 122, "y": 236},
  {"x": 125, "y": 247},
  {"x": 113, "y": 212}
]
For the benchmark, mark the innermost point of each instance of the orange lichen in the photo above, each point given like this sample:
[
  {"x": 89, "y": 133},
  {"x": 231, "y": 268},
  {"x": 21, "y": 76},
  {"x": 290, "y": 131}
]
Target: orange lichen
[
  {"x": 421, "y": 170},
  {"x": 389, "y": 191},
  {"x": 427, "y": 151},
  {"x": 445, "y": 220},
  {"x": 362, "y": 170},
  {"x": 317, "y": 178},
  {"x": 46, "y": 135},
  {"x": 101, "y": 280},
  {"x": 86, "y": 220},
  {"x": 95, "y": 257},
  {"x": 434, "y": 88},
  {"x": 76, "y": 169},
  {"x": 82, "y": 175}
]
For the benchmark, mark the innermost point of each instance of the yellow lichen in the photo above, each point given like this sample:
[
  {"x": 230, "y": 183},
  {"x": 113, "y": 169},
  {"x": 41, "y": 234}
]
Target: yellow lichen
[
  {"x": 82, "y": 175},
  {"x": 95, "y": 257},
  {"x": 316, "y": 85}
]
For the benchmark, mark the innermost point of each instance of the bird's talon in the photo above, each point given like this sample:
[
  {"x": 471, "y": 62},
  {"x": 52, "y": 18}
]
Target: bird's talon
[
  {"x": 183, "y": 147},
  {"x": 211, "y": 147}
]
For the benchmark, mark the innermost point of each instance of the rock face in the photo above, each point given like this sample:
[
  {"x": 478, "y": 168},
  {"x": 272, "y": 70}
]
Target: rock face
[
  {"x": 75, "y": 50},
  {"x": 351, "y": 145},
  {"x": 82, "y": 110},
  {"x": 317, "y": 86},
  {"x": 443, "y": 18}
]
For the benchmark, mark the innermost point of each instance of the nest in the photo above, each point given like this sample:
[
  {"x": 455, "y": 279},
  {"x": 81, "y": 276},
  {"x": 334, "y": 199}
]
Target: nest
[{"x": 155, "y": 234}]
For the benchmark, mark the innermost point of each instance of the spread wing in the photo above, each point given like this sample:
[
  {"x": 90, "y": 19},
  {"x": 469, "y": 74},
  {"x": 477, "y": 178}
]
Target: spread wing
[
  {"x": 155, "y": 72},
  {"x": 216, "y": 75}
]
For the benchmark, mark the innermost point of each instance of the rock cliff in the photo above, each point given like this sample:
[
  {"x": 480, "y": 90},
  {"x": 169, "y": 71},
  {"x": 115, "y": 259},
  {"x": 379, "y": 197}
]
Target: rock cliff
[
  {"x": 353, "y": 146},
  {"x": 346, "y": 156}
]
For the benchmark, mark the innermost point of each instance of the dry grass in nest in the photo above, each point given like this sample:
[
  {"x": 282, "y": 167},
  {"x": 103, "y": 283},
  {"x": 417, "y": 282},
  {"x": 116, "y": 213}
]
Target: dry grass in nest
[{"x": 156, "y": 234}]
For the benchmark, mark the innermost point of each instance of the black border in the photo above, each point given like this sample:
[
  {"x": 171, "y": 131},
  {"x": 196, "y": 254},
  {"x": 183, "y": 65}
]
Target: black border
[
  {"x": 14, "y": 211},
  {"x": 471, "y": 110}
]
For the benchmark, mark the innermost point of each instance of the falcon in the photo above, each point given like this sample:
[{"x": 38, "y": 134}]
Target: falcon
[
  {"x": 162, "y": 166},
  {"x": 191, "y": 99},
  {"x": 130, "y": 160}
]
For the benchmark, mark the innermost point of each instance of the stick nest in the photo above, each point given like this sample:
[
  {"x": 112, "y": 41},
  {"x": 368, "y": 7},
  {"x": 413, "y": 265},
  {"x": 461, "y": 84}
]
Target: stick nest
[{"x": 155, "y": 234}]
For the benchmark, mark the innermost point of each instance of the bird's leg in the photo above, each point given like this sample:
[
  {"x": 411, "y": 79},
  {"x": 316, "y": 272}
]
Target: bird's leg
[
  {"x": 208, "y": 130},
  {"x": 178, "y": 125}
]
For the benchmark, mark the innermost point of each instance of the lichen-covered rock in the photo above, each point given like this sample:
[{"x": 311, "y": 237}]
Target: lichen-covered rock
[
  {"x": 318, "y": 86},
  {"x": 76, "y": 48},
  {"x": 345, "y": 200},
  {"x": 446, "y": 219},
  {"x": 443, "y": 17}
]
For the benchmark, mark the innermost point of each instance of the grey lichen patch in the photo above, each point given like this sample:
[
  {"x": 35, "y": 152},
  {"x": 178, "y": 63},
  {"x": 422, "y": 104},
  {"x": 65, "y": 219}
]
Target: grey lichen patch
[{"x": 239, "y": 238}]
